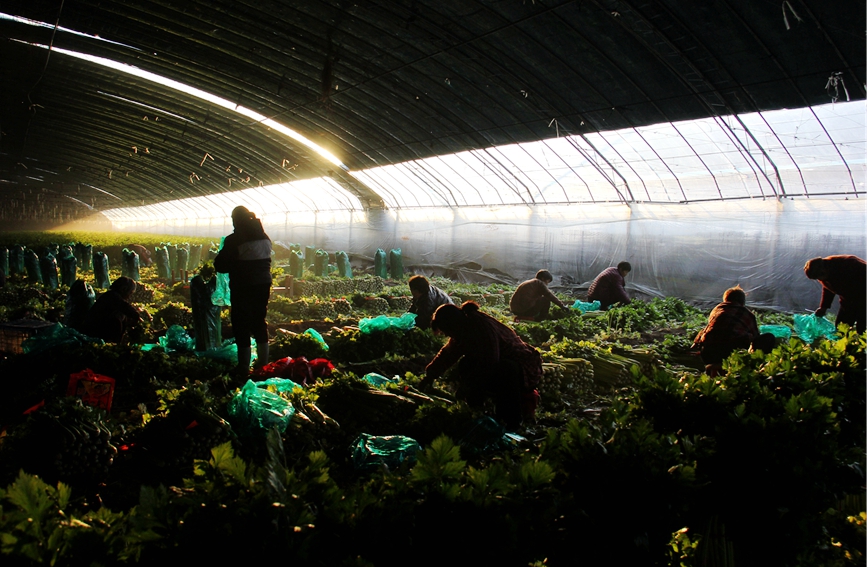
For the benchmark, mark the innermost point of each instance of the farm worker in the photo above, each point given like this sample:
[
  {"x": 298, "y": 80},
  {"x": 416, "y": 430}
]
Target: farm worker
[
  {"x": 609, "y": 286},
  {"x": 246, "y": 257},
  {"x": 731, "y": 326},
  {"x": 144, "y": 255},
  {"x": 844, "y": 276},
  {"x": 111, "y": 314},
  {"x": 425, "y": 300},
  {"x": 532, "y": 299},
  {"x": 494, "y": 362}
]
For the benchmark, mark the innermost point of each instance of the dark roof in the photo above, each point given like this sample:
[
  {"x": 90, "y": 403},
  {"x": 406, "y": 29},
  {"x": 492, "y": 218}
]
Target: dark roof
[{"x": 376, "y": 82}]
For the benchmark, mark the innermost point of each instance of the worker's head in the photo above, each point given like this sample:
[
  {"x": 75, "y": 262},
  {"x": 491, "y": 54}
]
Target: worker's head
[
  {"x": 545, "y": 276},
  {"x": 735, "y": 295},
  {"x": 418, "y": 286},
  {"x": 815, "y": 269},
  {"x": 124, "y": 287},
  {"x": 240, "y": 215},
  {"x": 451, "y": 320},
  {"x": 624, "y": 268}
]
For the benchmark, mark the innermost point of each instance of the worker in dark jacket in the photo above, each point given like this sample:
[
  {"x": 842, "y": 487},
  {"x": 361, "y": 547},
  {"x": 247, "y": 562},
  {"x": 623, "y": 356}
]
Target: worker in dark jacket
[
  {"x": 532, "y": 299},
  {"x": 731, "y": 326},
  {"x": 246, "y": 257},
  {"x": 425, "y": 300},
  {"x": 846, "y": 277},
  {"x": 111, "y": 314},
  {"x": 609, "y": 287},
  {"x": 494, "y": 362}
]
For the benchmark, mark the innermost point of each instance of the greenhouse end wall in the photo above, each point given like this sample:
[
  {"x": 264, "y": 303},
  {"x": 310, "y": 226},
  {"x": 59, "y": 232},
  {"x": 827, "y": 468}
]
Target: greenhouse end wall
[{"x": 691, "y": 251}]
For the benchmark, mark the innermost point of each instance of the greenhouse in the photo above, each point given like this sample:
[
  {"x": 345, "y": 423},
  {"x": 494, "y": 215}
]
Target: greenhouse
[{"x": 684, "y": 150}]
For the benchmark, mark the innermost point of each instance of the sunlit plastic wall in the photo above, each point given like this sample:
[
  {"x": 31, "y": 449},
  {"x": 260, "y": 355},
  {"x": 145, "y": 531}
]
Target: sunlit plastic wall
[{"x": 692, "y": 251}]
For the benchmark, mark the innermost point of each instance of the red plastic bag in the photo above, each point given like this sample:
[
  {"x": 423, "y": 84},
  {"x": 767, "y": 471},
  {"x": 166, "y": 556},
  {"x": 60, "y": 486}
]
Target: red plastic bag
[
  {"x": 277, "y": 369},
  {"x": 321, "y": 367},
  {"x": 299, "y": 370},
  {"x": 93, "y": 389}
]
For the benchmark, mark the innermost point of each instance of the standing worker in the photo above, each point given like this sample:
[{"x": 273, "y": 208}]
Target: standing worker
[
  {"x": 609, "y": 286},
  {"x": 494, "y": 362},
  {"x": 845, "y": 276},
  {"x": 246, "y": 257},
  {"x": 532, "y": 299}
]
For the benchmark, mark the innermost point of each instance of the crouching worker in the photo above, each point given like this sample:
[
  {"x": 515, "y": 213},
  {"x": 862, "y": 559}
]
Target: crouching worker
[
  {"x": 111, "y": 314},
  {"x": 532, "y": 299},
  {"x": 730, "y": 326},
  {"x": 494, "y": 363},
  {"x": 425, "y": 300}
]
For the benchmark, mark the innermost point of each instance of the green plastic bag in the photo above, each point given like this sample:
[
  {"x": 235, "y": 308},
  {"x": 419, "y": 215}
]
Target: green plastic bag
[
  {"x": 54, "y": 336},
  {"x": 183, "y": 257},
  {"x": 375, "y": 379},
  {"x": 31, "y": 263},
  {"x": 222, "y": 296},
  {"x": 315, "y": 334},
  {"x": 228, "y": 352},
  {"x": 395, "y": 264},
  {"x": 296, "y": 264},
  {"x": 206, "y": 315},
  {"x": 256, "y": 409},
  {"x": 809, "y": 327},
  {"x": 379, "y": 267},
  {"x": 100, "y": 270},
  {"x": 488, "y": 435},
  {"x": 320, "y": 263},
  {"x": 173, "y": 257},
  {"x": 177, "y": 339},
  {"x": 382, "y": 322},
  {"x": 371, "y": 453},
  {"x": 195, "y": 257},
  {"x": 68, "y": 270},
  {"x": 48, "y": 267},
  {"x": 309, "y": 254},
  {"x": 584, "y": 307},
  {"x": 344, "y": 270},
  {"x": 162, "y": 259},
  {"x": 16, "y": 260},
  {"x": 779, "y": 331},
  {"x": 130, "y": 265},
  {"x": 84, "y": 255}
]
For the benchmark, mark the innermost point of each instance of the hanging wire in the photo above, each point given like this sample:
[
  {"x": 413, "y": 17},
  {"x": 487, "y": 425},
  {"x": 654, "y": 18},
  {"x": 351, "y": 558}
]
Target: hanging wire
[
  {"x": 30, "y": 104},
  {"x": 835, "y": 81},
  {"x": 794, "y": 13}
]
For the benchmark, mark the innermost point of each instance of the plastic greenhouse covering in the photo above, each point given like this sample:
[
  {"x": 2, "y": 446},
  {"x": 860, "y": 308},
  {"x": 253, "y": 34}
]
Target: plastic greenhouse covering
[{"x": 696, "y": 207}]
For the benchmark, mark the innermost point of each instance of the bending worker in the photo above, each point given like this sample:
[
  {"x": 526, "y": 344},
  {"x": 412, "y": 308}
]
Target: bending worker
[
  {"x": 246, "y": 257},
  {"x": 112, "y": 314},
  {"x": 609, "y": 287},
  {"x": 731, "y": 326},
  {"x": 843, "y": 276},
  {"x": 532, "y": 299},
  {"x": 425, "y": 300},
  {"x": 494, "y": 362}
]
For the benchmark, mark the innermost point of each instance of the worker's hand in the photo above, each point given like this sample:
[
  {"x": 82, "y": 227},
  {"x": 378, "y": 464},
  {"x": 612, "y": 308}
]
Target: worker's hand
[{"x": 820, "y": 312}]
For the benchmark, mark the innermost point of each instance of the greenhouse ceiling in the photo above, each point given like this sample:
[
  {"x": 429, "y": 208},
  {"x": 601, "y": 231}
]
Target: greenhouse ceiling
[{"x": 318, "y": 105}]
